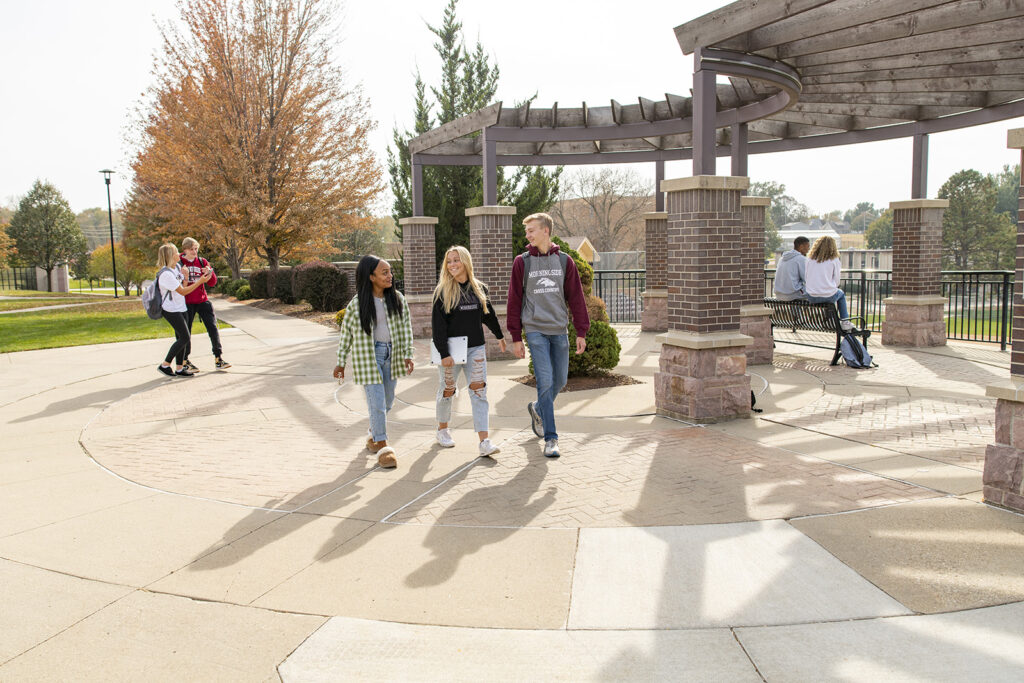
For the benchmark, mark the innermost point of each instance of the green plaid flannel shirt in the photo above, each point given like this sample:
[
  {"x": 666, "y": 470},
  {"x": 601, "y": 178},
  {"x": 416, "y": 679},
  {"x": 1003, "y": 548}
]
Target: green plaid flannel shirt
[{"x": 353, "y": 341}]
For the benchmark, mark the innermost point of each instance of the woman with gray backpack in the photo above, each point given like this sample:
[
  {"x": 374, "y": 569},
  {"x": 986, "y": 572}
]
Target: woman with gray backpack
[{"x": 169, "y": 288}]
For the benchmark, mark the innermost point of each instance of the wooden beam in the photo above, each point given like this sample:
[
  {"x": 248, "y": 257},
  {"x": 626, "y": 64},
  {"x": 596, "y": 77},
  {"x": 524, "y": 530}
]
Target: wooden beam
[
  {"x": 830, "y": 17},
  {"x": 963, "y": 99},
  {"x": 1007, "y": 67},
  {"x": 680, "y": 106},
  {"x": 907, "y": 112},
  {"x": 616, "y": 112},
  {"x": 932, "y": 85},
  {"x": 965, "y": 37},
  {"x": 488, "y": 116},
  {"x": 981, "y": 53},
  {"x": 646, "y": 108},
  {"x": 736, "y": 19},
  {"x": 743, "y": 89},
  {"x": 950, "y": 15}
]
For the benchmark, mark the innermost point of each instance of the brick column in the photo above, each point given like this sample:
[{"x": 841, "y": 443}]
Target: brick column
[
  {"x": 703, "y": 366},
  {"x": 420, "y": 271},
  {"x": 490, "y": 242},
  {"x": 1003, "y": 478},
  {"x": 348, "y": 268},
  {"x": 913, "y": 314},
  {"x": 755, "y": 319},
  {"x": 655, "y": 315}
]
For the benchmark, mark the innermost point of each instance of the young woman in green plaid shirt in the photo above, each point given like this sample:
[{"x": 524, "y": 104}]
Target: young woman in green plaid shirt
[{"x": 376, "y": 335}]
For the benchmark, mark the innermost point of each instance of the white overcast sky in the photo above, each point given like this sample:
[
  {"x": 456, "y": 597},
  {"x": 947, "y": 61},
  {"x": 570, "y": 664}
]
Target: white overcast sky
[{"x": 72, "y": 71}]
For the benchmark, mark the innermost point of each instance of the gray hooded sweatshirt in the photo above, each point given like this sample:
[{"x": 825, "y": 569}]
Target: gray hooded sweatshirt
[{"x": 789, "y": 276}]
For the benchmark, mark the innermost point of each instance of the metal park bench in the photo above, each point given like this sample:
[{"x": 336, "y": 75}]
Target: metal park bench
[{"x": 820, "y": 320}]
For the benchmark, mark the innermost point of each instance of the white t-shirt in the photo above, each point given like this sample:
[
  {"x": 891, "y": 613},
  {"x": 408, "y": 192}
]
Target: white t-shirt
[
  {"x": 169, "y": 281},
  {"x": 821, "y": 279}
]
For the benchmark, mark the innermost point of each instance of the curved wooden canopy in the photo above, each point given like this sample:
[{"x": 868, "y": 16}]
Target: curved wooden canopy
[{"x": 801, "y": 74}]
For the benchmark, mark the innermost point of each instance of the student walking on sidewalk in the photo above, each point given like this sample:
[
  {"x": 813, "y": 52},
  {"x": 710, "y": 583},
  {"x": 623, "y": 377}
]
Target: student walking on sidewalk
[
  {"x": 461, "y": 308},
  {"x": 544, "y": 286},
  {"x": 194, "y": 265},
  {"x": 376, "y": 335},
  {"x": 172, "y": 300}
]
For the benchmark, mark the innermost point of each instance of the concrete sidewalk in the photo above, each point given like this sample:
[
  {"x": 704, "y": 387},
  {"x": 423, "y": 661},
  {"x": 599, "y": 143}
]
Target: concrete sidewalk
[{"x": 236, "y": 529}]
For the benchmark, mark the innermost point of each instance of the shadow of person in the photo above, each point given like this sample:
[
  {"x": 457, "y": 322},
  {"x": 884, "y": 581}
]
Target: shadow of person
[{"x": 512, "y": 497}]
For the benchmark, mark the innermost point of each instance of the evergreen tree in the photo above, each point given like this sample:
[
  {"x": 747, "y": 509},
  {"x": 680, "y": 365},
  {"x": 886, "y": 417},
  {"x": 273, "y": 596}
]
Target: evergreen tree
[
  {"x": 974, "y": 236},
  {"x": 468, "y": 82},
  {"x": 45, "y": 231}
]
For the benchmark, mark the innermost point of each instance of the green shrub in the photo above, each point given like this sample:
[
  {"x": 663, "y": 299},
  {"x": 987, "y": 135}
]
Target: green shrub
[
  {"x": 601, "y": 354},
  {"x": 243, "y": 292},
  {"x": 320, "y": 284},
  {"x": 280, "y": 285},
  {"x": 258, "y": 282},
  {"x": 231, "y": 286}
]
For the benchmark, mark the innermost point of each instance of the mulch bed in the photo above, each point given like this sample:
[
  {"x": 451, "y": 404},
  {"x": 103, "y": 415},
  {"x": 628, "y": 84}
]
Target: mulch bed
[{"x": 611, "y": 379}]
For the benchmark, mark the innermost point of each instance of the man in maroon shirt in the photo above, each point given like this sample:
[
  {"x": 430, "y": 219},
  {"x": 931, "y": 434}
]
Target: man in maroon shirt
[
  {"x": 544, "y": 286},
  {"x": 194, "y": 266}
]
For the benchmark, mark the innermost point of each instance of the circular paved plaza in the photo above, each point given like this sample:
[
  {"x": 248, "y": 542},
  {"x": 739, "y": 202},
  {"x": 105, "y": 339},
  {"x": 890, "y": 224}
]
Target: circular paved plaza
[{"x": 845, "y": 518}]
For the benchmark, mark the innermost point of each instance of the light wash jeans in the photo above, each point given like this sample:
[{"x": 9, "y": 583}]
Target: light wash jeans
[
  {"x": 380, "y": 397},
  {"x": 550, "y": 355},
  {"x": 475, "y": 371},
  {"x": 839, "y": 298}
]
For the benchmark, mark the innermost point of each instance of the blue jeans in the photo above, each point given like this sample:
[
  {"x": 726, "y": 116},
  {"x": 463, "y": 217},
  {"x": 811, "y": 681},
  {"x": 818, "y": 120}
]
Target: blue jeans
[
  {"x": 380, "y": 397},
  {"x": 839, "y": 298},
  {"x": 550, "y": 355},
  {"x": 475, "y": 371}
]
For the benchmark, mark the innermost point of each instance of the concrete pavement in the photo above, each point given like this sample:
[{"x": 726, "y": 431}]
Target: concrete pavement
[{"x": 232, "y": 527}]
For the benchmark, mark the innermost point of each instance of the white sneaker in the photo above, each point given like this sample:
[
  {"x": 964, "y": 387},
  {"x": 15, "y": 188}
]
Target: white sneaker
[
  {"x": 846, "y": 325},
  {"x": 551, "y": 448},
  {"x": 488, "y": 449},
  {"x": 444, "y": 437}
]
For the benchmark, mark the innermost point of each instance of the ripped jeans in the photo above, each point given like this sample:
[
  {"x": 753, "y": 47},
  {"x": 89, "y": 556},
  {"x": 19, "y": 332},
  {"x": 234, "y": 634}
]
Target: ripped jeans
[{"x": 475, "y": 370}]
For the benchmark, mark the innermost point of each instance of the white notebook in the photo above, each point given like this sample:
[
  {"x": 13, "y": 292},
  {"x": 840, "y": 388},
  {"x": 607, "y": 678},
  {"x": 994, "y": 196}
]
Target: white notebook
[{"x": 458, "y": 349}]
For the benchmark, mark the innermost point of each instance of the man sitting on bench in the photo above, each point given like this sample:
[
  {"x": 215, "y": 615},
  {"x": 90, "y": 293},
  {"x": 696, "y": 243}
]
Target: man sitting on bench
[{"x": 789, "y": 276}]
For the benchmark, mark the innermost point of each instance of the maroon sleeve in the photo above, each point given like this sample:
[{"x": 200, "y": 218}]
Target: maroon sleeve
[
  {"x": 575, "y": 298},
  {"x": 514, "y": 310},
  {"x": 212, "y": 282}
]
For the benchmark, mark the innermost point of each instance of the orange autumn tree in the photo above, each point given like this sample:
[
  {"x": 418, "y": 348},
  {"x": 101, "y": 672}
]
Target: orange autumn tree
[{"x": 249, "y": 138}]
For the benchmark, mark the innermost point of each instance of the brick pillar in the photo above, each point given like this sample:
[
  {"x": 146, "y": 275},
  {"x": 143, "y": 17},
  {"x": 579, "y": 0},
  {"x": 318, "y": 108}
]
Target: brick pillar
[
  {"x": 655, "y": 315},
  {"x": 420, "y": 271},
  {"x": 348, "y": 268},
  {"x": 490, "y": 242},
  {"x": 755, "y": 319},
  {"x": 913, "y": 314},
  {"x": 702, "y": 375},
  {"x": 1003, "y": 478}
]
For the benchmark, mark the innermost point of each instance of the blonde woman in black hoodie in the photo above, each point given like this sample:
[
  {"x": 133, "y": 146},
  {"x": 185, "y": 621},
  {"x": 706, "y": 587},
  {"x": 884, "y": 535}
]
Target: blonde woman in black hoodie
[{"x": 461, "y": 309}]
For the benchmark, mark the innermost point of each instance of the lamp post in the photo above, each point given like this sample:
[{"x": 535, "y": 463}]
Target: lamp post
[{"x": 110, "y": 218}]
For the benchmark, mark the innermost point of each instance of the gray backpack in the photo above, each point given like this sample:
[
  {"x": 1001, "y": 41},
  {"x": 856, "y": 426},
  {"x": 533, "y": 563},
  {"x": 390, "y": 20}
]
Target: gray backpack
[{"x": 152, "y": 299}]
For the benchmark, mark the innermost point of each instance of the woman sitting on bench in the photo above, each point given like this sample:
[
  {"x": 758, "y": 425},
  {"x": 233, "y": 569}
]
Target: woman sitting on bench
[{"x": 822, "y": 278}]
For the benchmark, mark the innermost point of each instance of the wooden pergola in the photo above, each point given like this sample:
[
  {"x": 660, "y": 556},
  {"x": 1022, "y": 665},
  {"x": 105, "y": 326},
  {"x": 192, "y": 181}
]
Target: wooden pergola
[{"x": 800, "y": 74}]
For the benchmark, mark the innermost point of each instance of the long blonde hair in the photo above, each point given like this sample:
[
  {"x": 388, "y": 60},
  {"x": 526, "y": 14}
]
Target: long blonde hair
[
  {"x": 166, "y": 257},
  {"x": 824, "y": 249},
  {"x": 448, "y": 290}
]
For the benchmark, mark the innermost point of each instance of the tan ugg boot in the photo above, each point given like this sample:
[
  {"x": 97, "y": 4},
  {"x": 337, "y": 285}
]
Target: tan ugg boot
[
  {"x": 386, "y": 457},
  {"x": 374, "y": 446}
]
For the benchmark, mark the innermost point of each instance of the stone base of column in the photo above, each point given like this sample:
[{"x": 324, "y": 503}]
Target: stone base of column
[
  {"x": 420, "y": 308},
  {"x": 655, "y": 315},
  {"x": 703, "y": 376},
  {"x": 756, "y": 322},
  {"x": 914, "y": 321},
  {"x": 1003, "y": 478}
]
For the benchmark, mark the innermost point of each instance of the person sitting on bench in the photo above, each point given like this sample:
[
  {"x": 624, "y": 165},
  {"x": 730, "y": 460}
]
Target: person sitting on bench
[
  {"x": 789, "y": 276},
  {"x": 822, "y": 278}
]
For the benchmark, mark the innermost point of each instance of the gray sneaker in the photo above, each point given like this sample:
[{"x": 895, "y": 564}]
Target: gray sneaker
[
  {"x": 538, "y": 424},
  {"x": 551, "y": 448}
]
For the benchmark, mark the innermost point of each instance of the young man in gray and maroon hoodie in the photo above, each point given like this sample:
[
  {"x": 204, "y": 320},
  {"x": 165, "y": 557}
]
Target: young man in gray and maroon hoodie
[
  {"x": 544, "y": 287},
  {"x": 193, "y": 266}
]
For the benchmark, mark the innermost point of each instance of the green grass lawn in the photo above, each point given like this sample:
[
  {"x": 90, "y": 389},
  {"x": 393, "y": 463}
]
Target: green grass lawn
[
  {"x": 14, "y": 305},
  {"x": 32, "y": 293},
  {"x": 97, "y": 324}
]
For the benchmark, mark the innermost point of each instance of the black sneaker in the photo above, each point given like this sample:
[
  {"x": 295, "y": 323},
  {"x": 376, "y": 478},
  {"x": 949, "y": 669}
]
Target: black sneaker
[
  {"x": 190, "y": 366},
  {"x": 538, "y": 423},
  {"x": 222, "y": 364},
  {"x": 166, "y": 369},
  {"x": 184, "y": 372}
]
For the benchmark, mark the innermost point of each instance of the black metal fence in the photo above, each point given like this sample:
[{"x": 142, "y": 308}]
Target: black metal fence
[
  {"x": 17, "y": 278},
  {"x": 977, "y": 301},
  {"x": 621, "y": 291}
]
